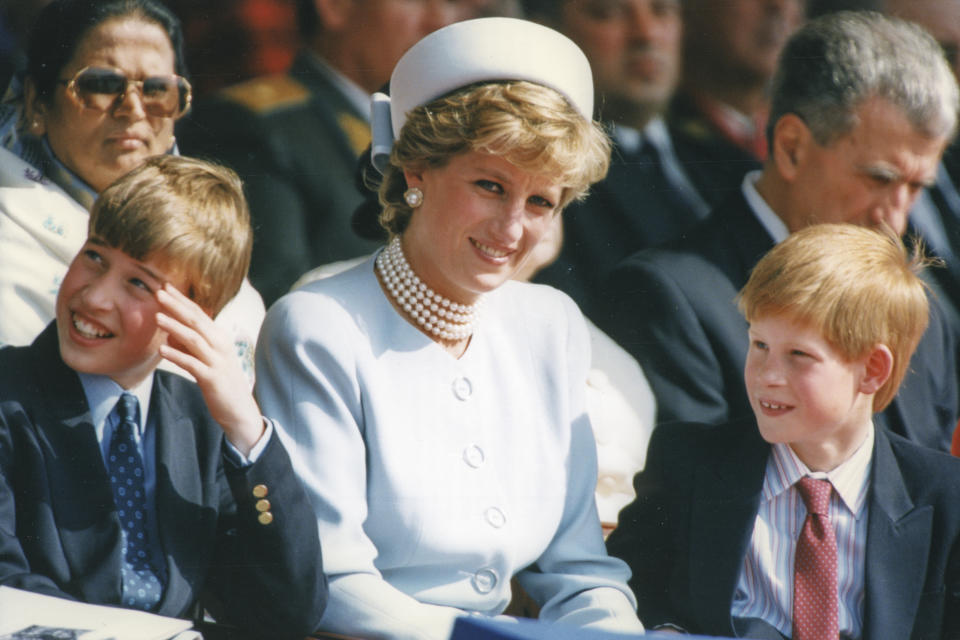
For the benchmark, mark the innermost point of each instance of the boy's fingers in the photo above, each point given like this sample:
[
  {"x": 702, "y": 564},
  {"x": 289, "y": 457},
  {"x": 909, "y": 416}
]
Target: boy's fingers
[
  {"x": 189, "y": 339},
  {"x": 185, "y": 361},
  {"x": 182, "y": 307}
]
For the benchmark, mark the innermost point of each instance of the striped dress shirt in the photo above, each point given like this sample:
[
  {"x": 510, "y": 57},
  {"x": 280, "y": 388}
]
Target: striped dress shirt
[{"x": 765, "y": 587}]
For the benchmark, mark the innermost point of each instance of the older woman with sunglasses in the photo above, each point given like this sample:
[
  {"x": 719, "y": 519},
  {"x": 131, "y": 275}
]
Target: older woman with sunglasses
[{"x": 103, "y": 86}]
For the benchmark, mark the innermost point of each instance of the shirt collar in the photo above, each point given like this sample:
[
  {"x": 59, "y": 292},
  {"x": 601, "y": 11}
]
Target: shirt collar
[
  {"x": 767, "y": 216},
  {"x": 103, "y": 393},
  {"x": 631, "y": 140},
  {"x": 356, "y": 95},
  {"x": 850, "y": 479}
]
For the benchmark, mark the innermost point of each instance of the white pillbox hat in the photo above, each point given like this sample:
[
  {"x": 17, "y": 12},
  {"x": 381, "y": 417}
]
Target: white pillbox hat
[{"x": 482, "y": 50}]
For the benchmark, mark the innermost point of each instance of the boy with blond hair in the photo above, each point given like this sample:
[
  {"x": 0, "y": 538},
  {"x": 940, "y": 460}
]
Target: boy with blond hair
[
  {"x": 806, "y": 521},
  {"x": 128, "y": 486}
]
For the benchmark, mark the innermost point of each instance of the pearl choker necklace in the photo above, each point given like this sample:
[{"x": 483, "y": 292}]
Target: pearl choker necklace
[{"x": 429, "y": 310}]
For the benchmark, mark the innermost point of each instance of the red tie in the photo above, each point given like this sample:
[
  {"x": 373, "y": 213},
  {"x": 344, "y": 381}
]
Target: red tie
[{"x": 815, "y": 615}]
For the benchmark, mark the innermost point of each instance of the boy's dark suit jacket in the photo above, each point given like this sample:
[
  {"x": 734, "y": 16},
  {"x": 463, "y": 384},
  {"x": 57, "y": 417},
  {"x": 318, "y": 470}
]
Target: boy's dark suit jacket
[
  {"x": 674, "y": 309},
  {"x": 60, "y": 534},
  {"x": 686, "y": 533}
]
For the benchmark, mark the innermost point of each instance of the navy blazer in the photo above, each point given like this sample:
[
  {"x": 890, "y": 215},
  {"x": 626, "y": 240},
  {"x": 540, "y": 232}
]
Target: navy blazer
[
  {"x": 60, "y": 533},
  {"x": 674, "y": 309},
  {"x": 632, "y": 208},
  {"x": 686, "y": 533}
]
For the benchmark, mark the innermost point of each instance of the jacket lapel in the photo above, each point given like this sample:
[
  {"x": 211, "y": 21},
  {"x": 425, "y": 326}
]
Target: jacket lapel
[
  {"x": 724, "y": 508},
  {"x": 898, "y": 536},
  {"x": 87, "y": 523},
  {"x": 747, "y": 234},
  {"x": 186, "y": 527}
]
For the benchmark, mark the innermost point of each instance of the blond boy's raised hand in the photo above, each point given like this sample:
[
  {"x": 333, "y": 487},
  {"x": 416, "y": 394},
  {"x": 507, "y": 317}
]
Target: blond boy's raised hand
[{"x": 198, "y": 346}]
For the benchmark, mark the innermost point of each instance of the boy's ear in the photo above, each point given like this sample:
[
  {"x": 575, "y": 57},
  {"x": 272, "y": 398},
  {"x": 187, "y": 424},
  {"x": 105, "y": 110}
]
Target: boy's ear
[
  {"x": 791, "y": 138},
  {"x": 877, "y": 369}
]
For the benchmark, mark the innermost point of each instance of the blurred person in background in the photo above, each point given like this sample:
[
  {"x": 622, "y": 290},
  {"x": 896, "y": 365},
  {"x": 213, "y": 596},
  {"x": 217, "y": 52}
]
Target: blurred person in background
[
  {"x": 295, "y": 138},
  {"x": 719, "y": 114},
  {"x": 229, "y": 41},
  {"x": 647, "y": 198},
  {"x": 850, "y": 142}
]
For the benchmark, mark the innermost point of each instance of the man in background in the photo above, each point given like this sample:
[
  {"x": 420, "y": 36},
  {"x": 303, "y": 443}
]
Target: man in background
[
  {"x": 647, "y": 198},
  {"x": 719, "y": 114},
  {"x": 295, "y": 138},
  {"x": 850, "y": 142}
]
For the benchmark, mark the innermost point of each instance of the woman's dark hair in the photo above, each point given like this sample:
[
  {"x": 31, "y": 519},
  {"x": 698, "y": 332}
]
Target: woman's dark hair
[{"x": 62, "y": 24}]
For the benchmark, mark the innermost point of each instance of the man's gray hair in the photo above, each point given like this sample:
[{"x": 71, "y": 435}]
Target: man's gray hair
[{"x": 834, "y": 63}]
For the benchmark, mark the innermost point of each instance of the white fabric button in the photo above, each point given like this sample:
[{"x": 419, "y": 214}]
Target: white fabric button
[
  {"x": 484, "y": 580},
  {"x": 473, "y": 456},
  {"x": 462, "y": 388},
  {"x": 495, "y": 517}
]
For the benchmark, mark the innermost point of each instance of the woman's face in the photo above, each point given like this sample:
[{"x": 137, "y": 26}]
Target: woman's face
[
  {"x": 481, "y": 217},
  {"x": 101, "y": 146}
]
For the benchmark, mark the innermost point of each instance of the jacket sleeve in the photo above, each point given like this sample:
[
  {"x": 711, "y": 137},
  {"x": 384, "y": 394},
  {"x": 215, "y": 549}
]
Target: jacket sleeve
[
  {"x": 574, "y": 579},
  {"x": 650, "y": 315},
  {"x": 268, "y": 571},
  {"x": 15, "y": 569},
  {"x": 645, "y": 537}
]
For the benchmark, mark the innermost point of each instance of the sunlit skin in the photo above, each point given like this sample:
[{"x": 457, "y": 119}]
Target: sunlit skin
[
  {"x": 634, "y": 51},
  {"x": 806, "y": 394},
  {"x": 118, "y": 317},
  {"x": 480, "y": 219},
  {"x": 101, "y": 146},
  {"x": 106, "y": 313},
  {"x": 870, "y": 176}
]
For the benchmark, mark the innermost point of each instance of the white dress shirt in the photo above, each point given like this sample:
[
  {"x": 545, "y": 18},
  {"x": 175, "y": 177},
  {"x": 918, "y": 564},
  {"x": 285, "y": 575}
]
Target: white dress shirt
[{"x": 765, "y": 587}]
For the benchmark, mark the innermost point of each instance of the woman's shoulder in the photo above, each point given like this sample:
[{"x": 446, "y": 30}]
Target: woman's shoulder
[
  {"x": 537, "y": 306},
  {"x": 534, "y": 298},
  {"x": 323, "y": 304},
  {"x": 546, "y": 320}
]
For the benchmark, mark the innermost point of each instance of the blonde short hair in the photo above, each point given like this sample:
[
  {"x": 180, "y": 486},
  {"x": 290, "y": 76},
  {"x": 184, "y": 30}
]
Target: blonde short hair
[
  {"x": 189, "y": 215},
  {"x": 529, "y": 125},
  {"x": 858, "y": 287}
]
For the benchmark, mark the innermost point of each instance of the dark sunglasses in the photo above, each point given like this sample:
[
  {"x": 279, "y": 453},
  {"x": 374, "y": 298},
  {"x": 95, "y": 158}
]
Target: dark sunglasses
[{"x": 99, "y": 88}]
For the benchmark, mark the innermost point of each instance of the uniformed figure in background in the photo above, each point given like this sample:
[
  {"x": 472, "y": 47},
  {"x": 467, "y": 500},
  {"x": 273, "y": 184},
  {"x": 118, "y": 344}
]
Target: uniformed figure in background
[
  {"x": 295, "y": 138},
  {"x": 647, "y": 197}
]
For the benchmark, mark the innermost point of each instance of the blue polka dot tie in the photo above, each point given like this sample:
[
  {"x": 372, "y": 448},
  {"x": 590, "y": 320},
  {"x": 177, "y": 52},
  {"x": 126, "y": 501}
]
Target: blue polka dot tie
[
  {"x": 142, "y": 586},
  {"x": 815, "y": 598}
]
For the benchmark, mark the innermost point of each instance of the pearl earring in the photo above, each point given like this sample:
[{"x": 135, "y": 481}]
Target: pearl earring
[{"x": 413, "y": 197}]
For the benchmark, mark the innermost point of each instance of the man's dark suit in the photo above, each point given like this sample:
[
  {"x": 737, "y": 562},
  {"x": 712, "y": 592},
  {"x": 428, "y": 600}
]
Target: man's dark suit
[
  {"x": 686, "y": 533},
  {"x": 674, "y": 308},
  {"x": 634, "y": 207},
  {"x": 295, "y": 140},
  {"x": 715, "y": 164},
  {"x": 60, "y": 533}
]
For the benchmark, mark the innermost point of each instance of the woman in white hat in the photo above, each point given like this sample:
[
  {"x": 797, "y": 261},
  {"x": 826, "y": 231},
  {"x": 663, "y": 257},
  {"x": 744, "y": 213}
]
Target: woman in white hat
[{"x": 434, "y": 407}]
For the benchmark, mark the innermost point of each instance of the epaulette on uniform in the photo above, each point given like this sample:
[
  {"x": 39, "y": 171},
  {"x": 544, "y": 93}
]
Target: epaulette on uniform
[
  {"x": 268, "y": 93},
  {"x": 693, "y": 127}
]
